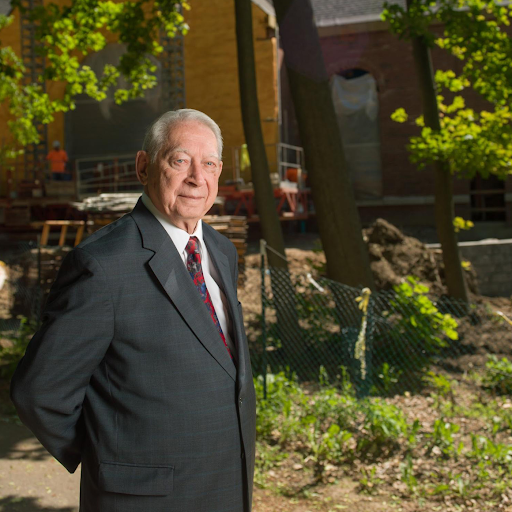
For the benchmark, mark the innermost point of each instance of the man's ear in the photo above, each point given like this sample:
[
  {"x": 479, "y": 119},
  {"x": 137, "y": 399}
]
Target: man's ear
[{"x": 141, "y": 167}]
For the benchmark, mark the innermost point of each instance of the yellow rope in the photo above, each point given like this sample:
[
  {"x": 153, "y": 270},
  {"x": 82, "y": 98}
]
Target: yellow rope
[
  {"x": 505, "y": 317},
  {"x": 360, "y": 347}
]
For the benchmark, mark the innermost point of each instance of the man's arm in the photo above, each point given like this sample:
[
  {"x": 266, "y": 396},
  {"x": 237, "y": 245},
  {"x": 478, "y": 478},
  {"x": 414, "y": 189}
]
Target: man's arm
[{"x": 49, "y": 385}]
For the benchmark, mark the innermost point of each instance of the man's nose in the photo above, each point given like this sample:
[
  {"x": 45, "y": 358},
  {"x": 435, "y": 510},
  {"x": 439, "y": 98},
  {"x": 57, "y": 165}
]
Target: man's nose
[{"x": 195, "y": 174}]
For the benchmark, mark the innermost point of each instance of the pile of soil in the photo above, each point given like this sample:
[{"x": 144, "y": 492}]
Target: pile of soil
[{"x": 394, "y": 255}]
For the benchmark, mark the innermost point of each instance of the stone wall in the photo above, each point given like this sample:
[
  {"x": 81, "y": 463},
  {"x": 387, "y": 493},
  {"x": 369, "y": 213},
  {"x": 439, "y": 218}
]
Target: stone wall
[{"x": 492, "y": 260}]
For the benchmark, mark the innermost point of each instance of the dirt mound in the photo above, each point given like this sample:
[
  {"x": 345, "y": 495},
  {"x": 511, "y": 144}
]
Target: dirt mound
[{"x": 394, "y": 256}]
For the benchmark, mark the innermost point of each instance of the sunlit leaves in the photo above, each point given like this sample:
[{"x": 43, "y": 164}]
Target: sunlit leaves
[
  {"x": 69, "y": 33},
  {"x": 469, "y": 141},
  {"x": 399, "y": 115}
]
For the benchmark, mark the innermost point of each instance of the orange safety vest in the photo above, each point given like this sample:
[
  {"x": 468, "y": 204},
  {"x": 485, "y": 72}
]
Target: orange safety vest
[{"x": 58, "y": 159}]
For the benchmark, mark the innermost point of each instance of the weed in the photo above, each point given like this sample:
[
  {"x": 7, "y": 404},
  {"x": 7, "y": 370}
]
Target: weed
[
  {"x": 407, "y": 474},
  {"x": 498, "y": 375},
  {"x": 384, "y": 424},
  {"x": 369, "y": 481},
  {"x": 442, "y": 438}
]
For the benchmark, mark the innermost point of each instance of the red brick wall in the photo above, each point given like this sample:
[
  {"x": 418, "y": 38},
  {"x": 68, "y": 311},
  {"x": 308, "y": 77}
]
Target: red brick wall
[{"x": 390, "y": 62}]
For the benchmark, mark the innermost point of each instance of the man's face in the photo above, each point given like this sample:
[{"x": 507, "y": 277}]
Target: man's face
[{"x": 183, "y": 181}]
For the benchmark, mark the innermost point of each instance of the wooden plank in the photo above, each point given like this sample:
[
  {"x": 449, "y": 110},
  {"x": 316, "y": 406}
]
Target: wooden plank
[
  {"x": 44, "y": 234},
  {"x": 63, "y": 233}
]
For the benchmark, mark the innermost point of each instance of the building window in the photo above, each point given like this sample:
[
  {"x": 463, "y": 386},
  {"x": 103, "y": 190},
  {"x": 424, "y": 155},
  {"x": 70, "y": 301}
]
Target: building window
[
  {"x": 356, "y": 102},
  {"x": 488, "y": 199}
]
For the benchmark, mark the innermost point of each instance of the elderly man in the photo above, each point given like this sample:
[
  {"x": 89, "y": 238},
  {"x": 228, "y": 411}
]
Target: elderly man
[{"x": 141, "y": 368}]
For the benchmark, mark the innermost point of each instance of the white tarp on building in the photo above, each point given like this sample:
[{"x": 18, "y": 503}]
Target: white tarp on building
[{"x": 357, "y": 109}]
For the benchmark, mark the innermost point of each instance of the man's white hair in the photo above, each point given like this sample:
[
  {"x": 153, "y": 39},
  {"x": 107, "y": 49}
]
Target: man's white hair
[{"x": 158, "y": 133}]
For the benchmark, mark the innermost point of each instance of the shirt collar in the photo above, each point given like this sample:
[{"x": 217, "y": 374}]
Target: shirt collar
[{"x": 179, "y": 236}]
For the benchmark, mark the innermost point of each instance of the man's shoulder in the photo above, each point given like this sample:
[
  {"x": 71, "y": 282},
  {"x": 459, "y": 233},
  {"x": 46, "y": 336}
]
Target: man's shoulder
[{"x": 114, "y": 237}]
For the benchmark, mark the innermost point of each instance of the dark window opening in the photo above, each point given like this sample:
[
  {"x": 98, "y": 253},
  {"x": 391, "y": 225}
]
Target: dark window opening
[{"x": 487, "y": 199}]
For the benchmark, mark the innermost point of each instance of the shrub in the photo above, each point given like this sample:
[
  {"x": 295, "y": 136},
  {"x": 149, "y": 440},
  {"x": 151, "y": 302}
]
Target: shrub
[{"x": 15, "y": 350}]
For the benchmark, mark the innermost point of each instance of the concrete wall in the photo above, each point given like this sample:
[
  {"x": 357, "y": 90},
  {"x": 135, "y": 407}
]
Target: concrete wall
[{"x": 492, "y": 260}]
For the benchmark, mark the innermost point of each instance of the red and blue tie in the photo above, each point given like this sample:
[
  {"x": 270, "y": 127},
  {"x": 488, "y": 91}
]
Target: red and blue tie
[{"x": 195, "y": 269}]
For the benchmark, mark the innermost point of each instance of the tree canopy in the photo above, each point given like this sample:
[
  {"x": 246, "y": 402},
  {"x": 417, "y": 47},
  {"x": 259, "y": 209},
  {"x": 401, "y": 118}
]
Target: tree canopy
[
  {"x": 475, "y": 32},
  {"x": 64, "y": 35}
]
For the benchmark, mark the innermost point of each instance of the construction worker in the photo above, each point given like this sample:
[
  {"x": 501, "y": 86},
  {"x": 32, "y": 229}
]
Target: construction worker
[{"x": 58, "y": 158}]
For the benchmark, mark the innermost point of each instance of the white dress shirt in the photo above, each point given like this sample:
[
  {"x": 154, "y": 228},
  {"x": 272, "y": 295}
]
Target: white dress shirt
[{"x": 212, "y": 279}]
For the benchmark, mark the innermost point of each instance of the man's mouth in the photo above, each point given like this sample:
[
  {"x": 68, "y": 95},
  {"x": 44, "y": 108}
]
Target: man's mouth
[{"x": 191, "y": 197}]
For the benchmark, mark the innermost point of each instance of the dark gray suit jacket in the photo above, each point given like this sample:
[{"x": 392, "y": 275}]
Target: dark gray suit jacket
[{"x": 128, "y": 375}]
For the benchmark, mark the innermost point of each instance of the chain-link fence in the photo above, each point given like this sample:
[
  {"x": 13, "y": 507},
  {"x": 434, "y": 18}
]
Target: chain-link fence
[{"x": 385, "y": 342}]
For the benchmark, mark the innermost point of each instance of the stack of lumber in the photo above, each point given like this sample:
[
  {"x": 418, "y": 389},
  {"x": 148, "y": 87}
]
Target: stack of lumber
[
  {"x": 119, "y": 203},
  {"x": 234, "y": 228}
]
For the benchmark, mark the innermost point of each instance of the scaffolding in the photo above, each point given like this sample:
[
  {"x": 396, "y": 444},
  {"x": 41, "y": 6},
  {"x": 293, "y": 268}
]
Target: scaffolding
[
  {"x": 173, "y": 71},
  {"x": 33, "y": 59}
]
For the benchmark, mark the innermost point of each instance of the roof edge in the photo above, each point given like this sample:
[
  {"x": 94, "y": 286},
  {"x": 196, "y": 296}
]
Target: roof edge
[
  {"x": 265, "y": 6},
  {"x": 336, "y": 22}
]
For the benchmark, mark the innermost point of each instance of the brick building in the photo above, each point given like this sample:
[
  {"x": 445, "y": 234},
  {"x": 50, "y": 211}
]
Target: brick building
[{"x": 355, "y": 42}]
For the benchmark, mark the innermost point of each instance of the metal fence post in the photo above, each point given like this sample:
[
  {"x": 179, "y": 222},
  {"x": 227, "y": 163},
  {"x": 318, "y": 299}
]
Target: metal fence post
[{"x": 263, "y": 246}]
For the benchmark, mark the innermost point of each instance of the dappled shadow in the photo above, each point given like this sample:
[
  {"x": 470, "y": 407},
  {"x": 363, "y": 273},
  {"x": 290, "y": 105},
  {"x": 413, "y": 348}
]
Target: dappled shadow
[
  {"x": 22, "y": 504},
  {"x": 11, "y": 435}
]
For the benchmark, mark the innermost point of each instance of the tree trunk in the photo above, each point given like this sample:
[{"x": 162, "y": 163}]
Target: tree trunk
[
  {"x": 282, "y": 288},
  {"x": 336, "y": 210},
  {"x": 264, "y": 194},
  {"x": 443, "y": 181}
]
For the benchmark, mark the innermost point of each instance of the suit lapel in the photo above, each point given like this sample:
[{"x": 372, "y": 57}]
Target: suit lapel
[
  {"x": 170, "y": 271},
  {"x": 222, "y": 264}
]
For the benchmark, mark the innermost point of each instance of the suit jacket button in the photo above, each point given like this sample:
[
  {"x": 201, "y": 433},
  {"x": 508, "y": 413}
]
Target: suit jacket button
[{"x": 240, "y": 400}]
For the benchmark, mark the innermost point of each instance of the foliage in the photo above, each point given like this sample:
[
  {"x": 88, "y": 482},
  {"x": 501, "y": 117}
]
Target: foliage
[
  {"x": 383, "y": 426},
  {"x": 442, "y": 437},
  {"x": 460, "y": 224},
  {"x": 369, "y": 481},
  {"x": 407, "y": 474},
  {"x": 474, "y": 31},
  {"x": 330, "y": 425},
  {"x": 424, "y": 320},
  {"x": 443, "y": 388},
  {"x": 16, "y": 346},
  {"x": 373, "y": 441},
  {"x": 410, "y": 319},
  {"x": 498, "y": 375},
  {"x": 389, "y": 377},
  {"x": 65, "y": 35}
]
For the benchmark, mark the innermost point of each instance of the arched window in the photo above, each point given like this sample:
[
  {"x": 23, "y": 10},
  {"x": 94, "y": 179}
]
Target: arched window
[{"x": 354, "y": 92}]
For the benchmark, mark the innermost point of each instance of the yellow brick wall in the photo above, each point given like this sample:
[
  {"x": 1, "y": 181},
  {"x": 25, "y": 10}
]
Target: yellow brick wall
[{"x": 211, "y": 74}]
